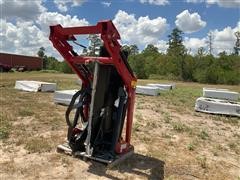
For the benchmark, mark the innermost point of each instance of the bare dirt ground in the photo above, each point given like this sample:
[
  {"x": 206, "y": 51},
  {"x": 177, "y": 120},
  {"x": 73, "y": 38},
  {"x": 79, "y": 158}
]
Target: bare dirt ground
[{"x": 171, "y": 140}]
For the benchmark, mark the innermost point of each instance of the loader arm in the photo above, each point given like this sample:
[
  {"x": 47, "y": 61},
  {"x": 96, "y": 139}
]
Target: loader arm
[{"x": 60, "y": 37}]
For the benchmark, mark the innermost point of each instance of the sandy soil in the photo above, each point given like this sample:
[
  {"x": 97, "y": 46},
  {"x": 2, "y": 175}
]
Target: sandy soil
[{"x": 171, "y": 140}]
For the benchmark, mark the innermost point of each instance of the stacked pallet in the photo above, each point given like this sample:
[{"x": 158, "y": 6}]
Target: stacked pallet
[
  {"x": 218, "y": 101},
  {"x": 35, "y": 86},
  {"x": 64, "y": 97},
  {"x": 154, "y": 89}
]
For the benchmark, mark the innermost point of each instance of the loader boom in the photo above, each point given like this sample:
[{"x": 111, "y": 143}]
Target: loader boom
[{"x": 113, "y": 76}]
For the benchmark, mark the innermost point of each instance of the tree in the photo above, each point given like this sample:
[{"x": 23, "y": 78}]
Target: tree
[
  {"x": 175, "y": 43},
  {"x": 131, "y": 49},
  {"x": 53, "y": 64},
  {"x": 94, "y": 45},
  {"x": 177, "y": 51},
  {"x": 201, "y": 52},
  {"x": 41, "y": 54},
  {"x": 237, "y": 44},
  {"x": 137, "y": 63},
  {"x": 65, "y": 68},
  {"x": 150, "y": 49}
]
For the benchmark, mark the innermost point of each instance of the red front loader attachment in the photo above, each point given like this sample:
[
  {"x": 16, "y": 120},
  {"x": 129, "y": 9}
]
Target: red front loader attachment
[{"x": 106, "y": 97}]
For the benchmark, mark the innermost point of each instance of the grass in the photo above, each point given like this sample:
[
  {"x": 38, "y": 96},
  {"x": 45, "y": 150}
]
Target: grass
[
  {"x": 38, "y": 145},
  {"x": 180, "y": 127},
  {"x": 137, "y": 127},
  {"x": 202, "y": 161},
  {"x": 25, "y": 112},
  {"x": 225, "y": 119},
  {"x": 139, "y": 116},
  {"x": 5, "y": 126},
  {"x": 234, "y": 146},
  {"x": 167, "y": 118},
  {"x": 165, "y": 135},
  {"x": 183, "y": 97},
  {"x": 203, "y": 135},
  {"x": 191, "y": 146}
]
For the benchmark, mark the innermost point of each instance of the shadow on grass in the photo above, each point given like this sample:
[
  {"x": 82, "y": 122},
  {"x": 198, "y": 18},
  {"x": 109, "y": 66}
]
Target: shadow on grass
[{"x": 137, "y": 164}]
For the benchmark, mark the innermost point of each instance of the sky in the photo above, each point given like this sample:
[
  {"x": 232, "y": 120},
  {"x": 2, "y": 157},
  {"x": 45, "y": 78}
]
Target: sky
[{"x": 24, "y": 24}]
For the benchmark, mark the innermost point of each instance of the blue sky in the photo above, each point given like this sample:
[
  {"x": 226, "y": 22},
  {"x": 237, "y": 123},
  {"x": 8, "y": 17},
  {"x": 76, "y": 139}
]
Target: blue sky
[
  {"x": 24, "y": 23},
  {"x": 217, "y": 17}
]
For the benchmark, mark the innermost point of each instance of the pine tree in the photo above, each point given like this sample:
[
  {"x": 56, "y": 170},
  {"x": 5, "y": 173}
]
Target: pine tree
[
  {"x": 177, "y": 51},
  {"x": 94, "y": 44},
  {"x": 150, "y": 49},
  {"x": 175, "y": 43},
  {"x": 130, "y": 49},
  {"x": 41, "y": 54}
]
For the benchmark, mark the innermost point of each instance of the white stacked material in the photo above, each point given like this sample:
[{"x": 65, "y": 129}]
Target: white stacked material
[
  {"x": 64, "y": 97},
  {"x": 147, "y": 90},
  {"x": 34, "y": 86},
  {"x": 163, "y": 86},
  {"x": 220, "y": 94},
  {"x": 217, "y": 106}
]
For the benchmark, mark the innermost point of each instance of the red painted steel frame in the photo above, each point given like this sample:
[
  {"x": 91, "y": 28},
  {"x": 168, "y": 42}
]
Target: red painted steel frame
[{"x": 110, "y": 36}]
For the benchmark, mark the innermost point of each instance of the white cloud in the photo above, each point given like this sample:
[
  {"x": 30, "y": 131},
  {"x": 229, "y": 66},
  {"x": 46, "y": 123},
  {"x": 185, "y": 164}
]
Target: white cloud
[
  {"x": 23, "y": 38},
  {"x": 139, "y": 31},
  {"x": 221, "y": 3},
  {"x": 156, "y": 2},
  {"x": 21, "y": 9},
  {"x": 78, "y": 2},
  {"x": 193, "y": 44},
  {"x": 194, "y": 1},
  {"x": 224, "y": 40},
  {"x": 63, "y": 5},
  {"x": 227, "y": 4},
  {"x": 162, "y": 46},
  {"x": 52, "y": 18},
  {"x": 106, "y": 4},
  {"x": 26, "y": 37},
  {"x": 189, "y": 23}
]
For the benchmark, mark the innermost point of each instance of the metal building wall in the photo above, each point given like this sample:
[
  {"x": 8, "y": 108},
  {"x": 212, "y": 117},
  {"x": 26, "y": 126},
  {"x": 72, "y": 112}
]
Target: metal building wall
[{"x": 30, "y": 62}]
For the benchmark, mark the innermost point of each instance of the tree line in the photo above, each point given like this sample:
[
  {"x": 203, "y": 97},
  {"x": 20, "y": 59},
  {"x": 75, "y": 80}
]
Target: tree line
[
  {"x": 51, "y": 63},
  {"x": 175, "y": 64}
]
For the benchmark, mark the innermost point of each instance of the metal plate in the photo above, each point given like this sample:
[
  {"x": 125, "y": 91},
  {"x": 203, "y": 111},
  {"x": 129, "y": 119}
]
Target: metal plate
[{"x": 64, "y": 148}]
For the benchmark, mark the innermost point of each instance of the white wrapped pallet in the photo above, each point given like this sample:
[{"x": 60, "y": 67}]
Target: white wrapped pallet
[
  {"x": 147, "y": 90},
  {"x": 163, "y": 86},
  {"x": 220, "y": 94},
  {"x": 64, "y": 97},
  {"x": 35, "y": 86},
  {"x": 217, "y": 106}
]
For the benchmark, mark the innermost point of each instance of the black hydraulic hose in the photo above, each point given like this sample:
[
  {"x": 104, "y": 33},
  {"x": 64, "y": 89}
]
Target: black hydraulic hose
[
  {"x": 83, "y": 100},
  {"x": 71, "y": 107},
  {"x": 79, "y": 44}
]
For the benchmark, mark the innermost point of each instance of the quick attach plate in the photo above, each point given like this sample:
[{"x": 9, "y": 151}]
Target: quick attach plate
[{"x": 64, "y": 148}]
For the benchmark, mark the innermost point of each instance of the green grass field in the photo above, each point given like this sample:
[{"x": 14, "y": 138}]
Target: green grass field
[{"x": 171, "y": 140}]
